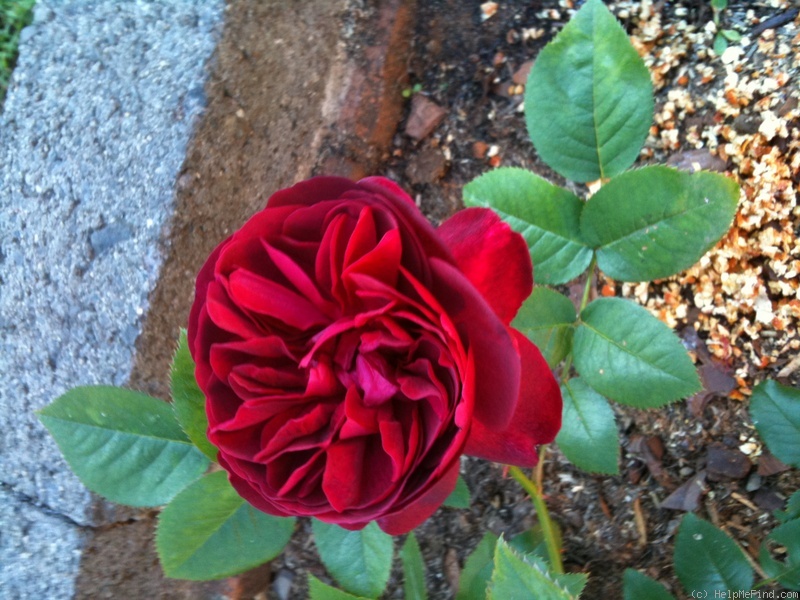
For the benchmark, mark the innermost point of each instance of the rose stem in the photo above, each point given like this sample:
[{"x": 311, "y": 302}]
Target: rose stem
[
  {"x": 553, "y": 551},
  {"x": 539, "y": 473},
  {"x": 533, "y": 490},
  {"x": 584, "y": 301}
]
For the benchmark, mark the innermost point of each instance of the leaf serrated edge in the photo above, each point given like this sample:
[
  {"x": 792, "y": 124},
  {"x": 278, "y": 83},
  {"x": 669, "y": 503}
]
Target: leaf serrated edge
[
  {"x": 212, "y": 452},
  {"x": 172, "y": 372},
  {"x": 503, "y": 546}
]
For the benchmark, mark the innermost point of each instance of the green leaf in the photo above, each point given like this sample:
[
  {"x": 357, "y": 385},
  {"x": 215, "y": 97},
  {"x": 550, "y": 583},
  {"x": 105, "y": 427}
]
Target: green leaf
[
  {"x": 706, "y": 559},
  {"x": 656, "y": 221},
  {"x": 320, "y": 591},
  {"x": 720, "y": 44},
  {"x": 775, "y": 410},
  {"x": 209, "y": 532},
  {"x": 589, "y": 101},
  {"x": 573, "y": 583},
  {"x": 547, "y": 216},
  {"x": 531, "y": 542},
  {"x": 548, "y": 319},
  {"x": 413, "y": 570},
  {"x": 359, "y": 560},
  {"x": 786, "y": 573},
  {"x": 460, "y": 497},
  {"x": 719, "y": 4},
  {"x": 731, "y": 35},
  {"x": 792, "y": 509},
  {"x": 626, "y": 354},
  {"x": 188, "y": 401},
  {"x": 532, "y": 546},
  {"x": 515, "y": 578},
  {"x": 477, "y": 570},
  {"x": 123, "y": 445},
  {"x": 588, "y": 436},
  {"x": 637, "y": 586}
]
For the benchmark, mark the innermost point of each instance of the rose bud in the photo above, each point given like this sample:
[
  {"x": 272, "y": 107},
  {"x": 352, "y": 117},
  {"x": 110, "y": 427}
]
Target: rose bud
[{"x": 350, "y": 353}]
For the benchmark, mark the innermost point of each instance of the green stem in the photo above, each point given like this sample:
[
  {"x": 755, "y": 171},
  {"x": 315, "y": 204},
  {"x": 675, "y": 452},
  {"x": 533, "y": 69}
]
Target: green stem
[
  {"x": 539, "y": 472},
  {"x": 548, "y": 530},
  {"x": 587, "y": 288}
]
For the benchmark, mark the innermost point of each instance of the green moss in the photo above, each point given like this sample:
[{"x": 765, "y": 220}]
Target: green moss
[{"x": 14, "y": 15}]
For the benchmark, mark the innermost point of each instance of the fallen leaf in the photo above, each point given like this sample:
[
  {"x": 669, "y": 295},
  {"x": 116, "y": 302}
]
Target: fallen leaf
[
  {"x": 687, "y": 496},
  {"x": 769, "y": 465},
  {"x": 452, "y": 570},
  {"x": 650, "y": 450},
  {"x": 520, "y": 76},
  {"x": 725, "y": 463},
  {"x": 696, "y": 160},
  {"x": 716, "y": 382}
]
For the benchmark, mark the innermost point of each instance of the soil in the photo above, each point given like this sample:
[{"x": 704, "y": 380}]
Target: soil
[{"x": 467, "y": 65}]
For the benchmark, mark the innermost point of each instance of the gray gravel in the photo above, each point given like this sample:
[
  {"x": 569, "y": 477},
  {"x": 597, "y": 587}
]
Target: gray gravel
[{"x": 92, "y": 136}]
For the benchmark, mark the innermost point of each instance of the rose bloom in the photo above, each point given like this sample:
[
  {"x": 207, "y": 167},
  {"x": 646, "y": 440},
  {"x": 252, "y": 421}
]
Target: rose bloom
[{"x": 350, "y": 353}]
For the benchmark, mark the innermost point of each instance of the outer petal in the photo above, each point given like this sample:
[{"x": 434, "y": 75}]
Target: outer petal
[
  {"x": 247, "y": 491},
  {"x": 492, "y": 256},
  {"x": 497, "y": 366},
  {"x": 205, "y": 277},
  {"x": 536, "y": 420},
  {"x": 311, "y": 191},
  {"x": 423, "y": 507},
  {"x": 388, "y": 188}
]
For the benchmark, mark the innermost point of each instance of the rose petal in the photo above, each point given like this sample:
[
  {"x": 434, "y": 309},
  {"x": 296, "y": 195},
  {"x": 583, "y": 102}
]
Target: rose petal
[
  {"x": 205, "y": 277},
  {"x": 381, "y": 262},
  {"x": 227, "y": 317},
  {"x": 245, "y": 248},
  {"x": 497, "y": 365},
  {"x": 300, "y": 279},
  {"x": 256, "y": 294},
  {"x": 415, "y": 513},
  {"x": 312, "y": 191},
  {"x": 363, "y": 237},
  {"x": 419, "y": 236},
  {"x": 492, "y": 256},
  {"x": 387, "y": 188},
  {"x": 250, "y": 492},
  {"x": 341, "y": 481},
  {"x": 536, "y": 420}
]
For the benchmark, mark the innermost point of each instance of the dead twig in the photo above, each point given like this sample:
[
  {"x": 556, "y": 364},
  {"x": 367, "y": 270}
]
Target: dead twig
[
  {"x": 775, "y": 21},
  {"x": 793, "y": 365},
  {"x": 641, "y": 525}
]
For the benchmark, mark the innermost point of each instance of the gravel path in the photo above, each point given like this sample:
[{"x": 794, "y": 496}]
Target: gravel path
[{"x": 92, "y": 136}]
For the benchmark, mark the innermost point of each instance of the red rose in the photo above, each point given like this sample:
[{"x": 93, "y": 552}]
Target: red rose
[{"x": 350, "y": 353}]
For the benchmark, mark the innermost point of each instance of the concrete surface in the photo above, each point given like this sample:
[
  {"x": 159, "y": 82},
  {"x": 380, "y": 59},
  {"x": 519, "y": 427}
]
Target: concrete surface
[{"x": 94, "y": 131}]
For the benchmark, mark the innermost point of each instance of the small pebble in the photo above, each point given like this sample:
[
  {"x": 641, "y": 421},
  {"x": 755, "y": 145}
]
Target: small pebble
[
  {"x": 283, "y": 584},
  {"x": 753, "y": 482},
  {"x": 424, "y": 118}
]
